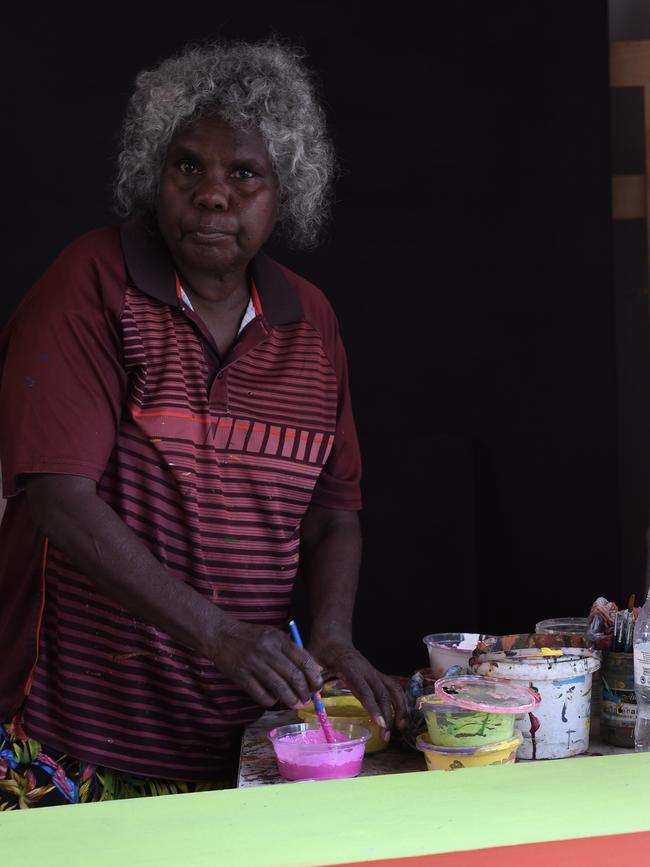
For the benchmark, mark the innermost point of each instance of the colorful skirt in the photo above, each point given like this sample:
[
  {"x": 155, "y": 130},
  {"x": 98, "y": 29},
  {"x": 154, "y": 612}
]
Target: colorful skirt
[{"x": 34, "y": 775}]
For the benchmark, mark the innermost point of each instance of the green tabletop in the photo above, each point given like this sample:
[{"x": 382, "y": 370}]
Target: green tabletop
[{"x": 307, "y": 824}]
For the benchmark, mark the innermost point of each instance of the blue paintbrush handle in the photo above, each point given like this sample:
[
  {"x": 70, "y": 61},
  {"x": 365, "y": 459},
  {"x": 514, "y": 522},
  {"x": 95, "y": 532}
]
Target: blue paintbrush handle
[
  {"x": 318, "y": 703},
  {"x": 295, "y": 633}
]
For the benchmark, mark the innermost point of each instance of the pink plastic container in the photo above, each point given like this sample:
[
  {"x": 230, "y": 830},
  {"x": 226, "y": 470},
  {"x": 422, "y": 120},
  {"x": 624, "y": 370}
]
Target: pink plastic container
[{"x": 302, "y": 753}]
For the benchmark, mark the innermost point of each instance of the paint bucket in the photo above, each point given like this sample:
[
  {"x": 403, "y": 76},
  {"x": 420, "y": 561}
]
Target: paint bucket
[
  {"x": 559, "y": 727},
  {"x": 618, "y": 716},
  {"x": 452, "y": 759},
  {"x": 577, "y": 628},
  {"x": 447, "y": 649}
]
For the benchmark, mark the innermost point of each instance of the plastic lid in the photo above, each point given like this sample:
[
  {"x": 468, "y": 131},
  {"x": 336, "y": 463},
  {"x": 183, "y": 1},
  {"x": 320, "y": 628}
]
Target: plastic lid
[
  {"x": 566, "y": 626},
  {"x": 465, "y": 642},
  {"x": 563, "y": 624},
  {"x": 432, "y": 703},
  {"x": 486, "y": 694}
]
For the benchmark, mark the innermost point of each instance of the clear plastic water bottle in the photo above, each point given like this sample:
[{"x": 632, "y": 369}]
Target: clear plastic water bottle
[{"x": 641, "y": 650}]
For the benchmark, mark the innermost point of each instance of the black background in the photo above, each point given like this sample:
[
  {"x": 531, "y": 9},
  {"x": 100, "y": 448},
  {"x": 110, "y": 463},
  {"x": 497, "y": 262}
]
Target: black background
[{"x": 469, "y": 262}]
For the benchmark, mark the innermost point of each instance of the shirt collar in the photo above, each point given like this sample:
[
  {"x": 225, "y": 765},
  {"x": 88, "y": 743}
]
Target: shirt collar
[
  {"x": 249, "y": 313},
  {"x": 152, "y": 270}
]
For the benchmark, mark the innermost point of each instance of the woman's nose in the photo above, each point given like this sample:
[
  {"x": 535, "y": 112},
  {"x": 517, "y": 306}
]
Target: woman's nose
[{"x": 211, "y": 193}]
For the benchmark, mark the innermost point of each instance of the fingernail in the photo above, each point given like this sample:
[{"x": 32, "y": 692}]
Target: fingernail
[
  {"x": 386, "y": 735},
  {"x": 300, "y": 705},
  {"x": 381, "y": 722}
]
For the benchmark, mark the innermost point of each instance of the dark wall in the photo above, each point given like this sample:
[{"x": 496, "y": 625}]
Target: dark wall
[{"x": 469, "y": 263}]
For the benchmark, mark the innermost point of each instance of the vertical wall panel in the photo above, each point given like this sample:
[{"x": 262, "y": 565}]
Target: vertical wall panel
[{"x": 630, "y": 148}]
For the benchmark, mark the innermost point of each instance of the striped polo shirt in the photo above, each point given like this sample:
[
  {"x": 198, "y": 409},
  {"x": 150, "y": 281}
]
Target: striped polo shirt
[{"x": 211, "y": 462}]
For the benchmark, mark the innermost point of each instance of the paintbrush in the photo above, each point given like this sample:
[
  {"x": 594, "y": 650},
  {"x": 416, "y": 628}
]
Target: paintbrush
[
  {"x": 321, "y": 713},
  {"x": 627, "y": 646},
  {"x": 629, "y": 620}
]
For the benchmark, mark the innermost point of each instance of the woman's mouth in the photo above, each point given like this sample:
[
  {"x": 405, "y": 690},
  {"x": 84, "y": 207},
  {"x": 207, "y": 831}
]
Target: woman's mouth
[{"x": 207, "y": 235}]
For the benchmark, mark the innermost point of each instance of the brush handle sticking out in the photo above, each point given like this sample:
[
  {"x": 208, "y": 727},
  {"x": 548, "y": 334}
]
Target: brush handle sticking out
[{"x": 318, "y": 702}]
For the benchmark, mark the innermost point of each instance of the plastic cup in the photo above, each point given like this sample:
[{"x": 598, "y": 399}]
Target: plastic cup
[
  {"x": 567, "y": 626},
  {"x": 447, "y": 649},
  {"x": 302, "y": 753},
  {"x": 562, "y": 625}
]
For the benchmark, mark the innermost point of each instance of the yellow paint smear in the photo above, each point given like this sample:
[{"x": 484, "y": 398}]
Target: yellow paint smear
[{"x": 550, "y": 651}]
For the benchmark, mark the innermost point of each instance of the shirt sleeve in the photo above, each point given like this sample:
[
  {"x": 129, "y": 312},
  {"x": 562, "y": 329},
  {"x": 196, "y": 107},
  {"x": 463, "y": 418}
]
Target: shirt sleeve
[
  {"x": 63, "y": 384},
  {"x": 338, "y": 486}
]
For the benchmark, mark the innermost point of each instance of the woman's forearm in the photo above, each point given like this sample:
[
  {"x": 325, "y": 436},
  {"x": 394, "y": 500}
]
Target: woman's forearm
[{"x": 330, "y": 559}]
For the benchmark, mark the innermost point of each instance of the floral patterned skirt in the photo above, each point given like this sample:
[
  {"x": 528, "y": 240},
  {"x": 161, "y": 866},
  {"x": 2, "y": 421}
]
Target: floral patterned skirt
[{"x": 34, "y": 775}]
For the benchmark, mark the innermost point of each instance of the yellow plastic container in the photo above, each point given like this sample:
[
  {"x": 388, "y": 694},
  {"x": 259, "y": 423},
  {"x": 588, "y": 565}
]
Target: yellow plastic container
[
  {"x": 347, "y": 709},
  {"x": 451, "y": 759}
]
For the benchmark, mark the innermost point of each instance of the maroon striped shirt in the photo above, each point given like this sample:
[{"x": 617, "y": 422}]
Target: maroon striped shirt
[{"x": 211, "y": 462}]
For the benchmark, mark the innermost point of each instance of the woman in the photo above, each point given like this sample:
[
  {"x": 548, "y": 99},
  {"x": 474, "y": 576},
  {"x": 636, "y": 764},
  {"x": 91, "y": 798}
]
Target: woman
[{"x": 176, "y": 436}]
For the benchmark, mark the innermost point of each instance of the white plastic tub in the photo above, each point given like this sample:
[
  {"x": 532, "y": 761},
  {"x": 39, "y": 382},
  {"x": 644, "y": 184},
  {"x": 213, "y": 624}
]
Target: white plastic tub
[{"x": 559, "y": 727}]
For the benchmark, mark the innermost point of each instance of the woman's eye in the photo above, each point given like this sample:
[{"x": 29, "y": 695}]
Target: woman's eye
[
  {"x": 244, "y": 174},
  {"x": 187, "y": 167}
]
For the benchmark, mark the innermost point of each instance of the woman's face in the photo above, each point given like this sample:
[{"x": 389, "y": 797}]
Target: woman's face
[{"x": 218, "y": 199}]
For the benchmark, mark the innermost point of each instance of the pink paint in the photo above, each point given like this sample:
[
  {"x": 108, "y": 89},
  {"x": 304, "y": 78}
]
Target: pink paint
[
  {"x": 301, "y": 771},
  {"x": 326, "y": 726},
  {"x": 303, "y": 753},
  {"x": 313, "y": 736}
]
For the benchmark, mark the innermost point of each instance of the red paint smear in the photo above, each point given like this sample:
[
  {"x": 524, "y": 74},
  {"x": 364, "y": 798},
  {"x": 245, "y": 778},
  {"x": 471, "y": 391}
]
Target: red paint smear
[
  {"x": 595, "y": 851},
  {"x": 534, "y": 725}
]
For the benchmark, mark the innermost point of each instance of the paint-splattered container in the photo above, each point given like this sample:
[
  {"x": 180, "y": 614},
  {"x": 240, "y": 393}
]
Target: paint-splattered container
[
  {"x": 343, "y": 709},
  {"x": 473, "y": 711},
  {"x": 302, "y": 752},
  {"x": 618, "y": 716},
  {"x": 573, "y": 629},
  {"x": 452, "y": 759},
  {"x": 447, "y": 649},
  {"x": 449, "y": 726},
  {"x": 559, "y": 727},
  {"x": 428, "y": 680}
]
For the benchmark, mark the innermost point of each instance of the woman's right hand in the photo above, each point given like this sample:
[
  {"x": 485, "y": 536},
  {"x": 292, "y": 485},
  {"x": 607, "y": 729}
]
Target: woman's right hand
[{"x": 266, "y": 663}]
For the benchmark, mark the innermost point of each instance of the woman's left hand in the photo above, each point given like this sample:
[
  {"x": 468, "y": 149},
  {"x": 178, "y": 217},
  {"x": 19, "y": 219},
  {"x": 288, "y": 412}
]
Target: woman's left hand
[{"x": 380, "y": 694}]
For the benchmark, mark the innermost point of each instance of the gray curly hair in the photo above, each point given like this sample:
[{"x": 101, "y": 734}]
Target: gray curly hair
[{"x": 264, "y": 85}]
